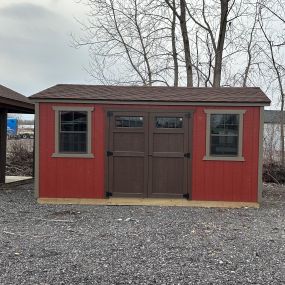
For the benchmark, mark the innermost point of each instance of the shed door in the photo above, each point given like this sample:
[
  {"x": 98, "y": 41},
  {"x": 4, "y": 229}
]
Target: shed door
[
  {"x": 148, "y": 154},
  {"x": 168, "y": 155},
  {"x": 128, "y": 160}
]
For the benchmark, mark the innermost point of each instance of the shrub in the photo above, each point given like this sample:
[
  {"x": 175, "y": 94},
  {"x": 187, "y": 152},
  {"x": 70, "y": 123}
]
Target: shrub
[
  {"x": 20, "y": 159},
  {"x": 273, "y": 173}
]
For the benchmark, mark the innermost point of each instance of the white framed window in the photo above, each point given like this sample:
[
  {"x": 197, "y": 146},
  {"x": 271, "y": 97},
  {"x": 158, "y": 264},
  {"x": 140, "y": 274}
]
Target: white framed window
[
  {"x": 73, "y": 131},
  {"x": 224, "y": 135}
]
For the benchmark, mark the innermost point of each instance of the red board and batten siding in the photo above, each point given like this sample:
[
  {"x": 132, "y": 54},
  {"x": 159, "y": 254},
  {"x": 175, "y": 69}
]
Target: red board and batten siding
[
  {"x": 70, "y": 177},
  {"x": 226, "y": 180},
  {"x": 211, "y": 180}
]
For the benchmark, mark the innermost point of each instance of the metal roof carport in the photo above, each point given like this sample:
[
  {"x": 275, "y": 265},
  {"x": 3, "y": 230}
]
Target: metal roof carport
[{"x": 10, "y": 102}]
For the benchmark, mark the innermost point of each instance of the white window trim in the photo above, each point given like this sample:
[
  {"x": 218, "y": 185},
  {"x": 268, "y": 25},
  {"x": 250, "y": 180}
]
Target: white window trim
[
  {"x": 89, "y": 111},
  {"x": 239, "y": 157}
]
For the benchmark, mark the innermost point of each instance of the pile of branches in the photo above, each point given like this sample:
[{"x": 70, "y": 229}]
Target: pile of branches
[
  {"x": 273, "y": 173},
  {"x": 20, "y": 160}
]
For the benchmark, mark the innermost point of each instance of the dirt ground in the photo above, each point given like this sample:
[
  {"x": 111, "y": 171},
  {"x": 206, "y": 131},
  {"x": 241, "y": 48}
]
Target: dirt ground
[{"x": 53, "y": 244}]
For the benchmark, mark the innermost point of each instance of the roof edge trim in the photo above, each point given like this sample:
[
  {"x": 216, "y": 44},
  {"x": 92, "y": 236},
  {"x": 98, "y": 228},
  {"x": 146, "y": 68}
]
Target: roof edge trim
[{"x": 136, "y": 102}]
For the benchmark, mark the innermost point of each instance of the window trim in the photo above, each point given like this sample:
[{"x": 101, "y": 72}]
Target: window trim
[
  {"x": 89, "y": 111},
  {"x": 208, "y": 156}
]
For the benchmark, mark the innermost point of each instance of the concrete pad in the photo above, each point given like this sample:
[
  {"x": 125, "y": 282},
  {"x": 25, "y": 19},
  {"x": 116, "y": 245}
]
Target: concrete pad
[{"x": 11, "y": 179}]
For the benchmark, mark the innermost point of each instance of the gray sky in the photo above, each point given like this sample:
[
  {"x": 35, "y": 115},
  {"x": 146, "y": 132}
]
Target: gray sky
[{"x": 35, "y": 44}]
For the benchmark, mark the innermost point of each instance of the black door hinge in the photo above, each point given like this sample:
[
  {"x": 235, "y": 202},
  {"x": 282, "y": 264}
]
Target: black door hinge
[
  {"x": 187, "y": 155},
  {"x": 109, "y": 194},
  {"x": 109, "y": 114},
  {"x": 109, "y": 153},
  {"x": 186, "y": 196}
]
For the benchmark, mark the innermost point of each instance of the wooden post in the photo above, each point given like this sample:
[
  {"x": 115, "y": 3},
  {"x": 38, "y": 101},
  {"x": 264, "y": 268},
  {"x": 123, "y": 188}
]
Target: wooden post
[{"x": 3, "y": 144}]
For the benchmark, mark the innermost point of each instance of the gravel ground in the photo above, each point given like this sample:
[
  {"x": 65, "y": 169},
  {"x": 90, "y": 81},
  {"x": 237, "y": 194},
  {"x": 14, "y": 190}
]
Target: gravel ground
[{"x": 44, "y": 244}]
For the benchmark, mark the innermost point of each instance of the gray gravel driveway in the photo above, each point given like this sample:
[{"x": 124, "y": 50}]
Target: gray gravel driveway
[{"x": 53, "y": 244}]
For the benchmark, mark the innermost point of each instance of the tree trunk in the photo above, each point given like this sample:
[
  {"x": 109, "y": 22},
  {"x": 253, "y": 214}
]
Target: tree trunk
[
  {"x": 174, "y": 50},
  {"x": 145, "y": 55},
  {"x": 220, "y": 45},
  {"x": 186, "y": 45}
]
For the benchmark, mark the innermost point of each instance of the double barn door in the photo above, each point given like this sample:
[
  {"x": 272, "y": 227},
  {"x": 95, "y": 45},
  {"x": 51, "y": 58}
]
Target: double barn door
[{"x": 149, "y": 154}]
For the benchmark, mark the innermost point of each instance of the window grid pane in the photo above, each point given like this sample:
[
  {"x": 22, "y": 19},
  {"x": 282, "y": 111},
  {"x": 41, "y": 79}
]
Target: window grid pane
[
  {"x": 73, "y": 131},
  {"x": 129, "y": 122},
  {"x": 168, "y": 122}
]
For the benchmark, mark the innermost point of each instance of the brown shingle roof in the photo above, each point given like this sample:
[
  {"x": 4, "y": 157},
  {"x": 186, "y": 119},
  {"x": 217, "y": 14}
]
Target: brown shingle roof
[
  {"x": 154, "y": 94},
  {"x": 13, "y": 95}
]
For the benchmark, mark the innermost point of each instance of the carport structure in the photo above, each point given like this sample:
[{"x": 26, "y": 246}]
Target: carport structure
[{"x": 10, "y": 102}]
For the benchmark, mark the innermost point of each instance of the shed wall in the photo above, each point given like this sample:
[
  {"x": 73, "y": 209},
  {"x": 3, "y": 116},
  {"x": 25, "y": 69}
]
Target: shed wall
[
  {"x": 85, "y": 177},
  {"x": 226, "y": 180}
]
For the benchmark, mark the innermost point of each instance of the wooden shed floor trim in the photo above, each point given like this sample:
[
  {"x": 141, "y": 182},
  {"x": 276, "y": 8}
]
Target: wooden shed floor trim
[{"x": 148, "y": 202}]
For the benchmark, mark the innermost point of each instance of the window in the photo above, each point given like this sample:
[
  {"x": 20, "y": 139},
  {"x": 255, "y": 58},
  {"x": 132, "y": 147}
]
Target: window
[
  {"x": 168, "y": 122},
  {"x": 129, "y": 122},
  {"x": 224, "y": 135},
  {"x": 72, "y": 131}
]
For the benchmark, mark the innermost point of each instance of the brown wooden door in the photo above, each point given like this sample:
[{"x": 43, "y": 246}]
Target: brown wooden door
[
  {"x": 149, "y": 154},
  {"x": 128, "y": 149},
  {"x": 168, "y": 155}
]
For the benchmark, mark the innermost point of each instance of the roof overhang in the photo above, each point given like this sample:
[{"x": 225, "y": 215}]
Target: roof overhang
[
  {"x": 15, "y": 106},
  {"x": 137, "y": 102}
]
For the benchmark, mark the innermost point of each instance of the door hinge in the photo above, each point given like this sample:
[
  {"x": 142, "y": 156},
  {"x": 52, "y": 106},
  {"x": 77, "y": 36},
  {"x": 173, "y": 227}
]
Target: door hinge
[
  {"x": 109, "y": 194},
  {"x": 109, "y": 113},
  {"x": 109, "y": 153},
  {"x": 187, "y": 155},
  {"x": 186, "y": 196}
]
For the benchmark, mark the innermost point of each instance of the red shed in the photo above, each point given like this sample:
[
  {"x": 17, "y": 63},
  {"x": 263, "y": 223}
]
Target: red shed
[{"x": 199, "y": 144}]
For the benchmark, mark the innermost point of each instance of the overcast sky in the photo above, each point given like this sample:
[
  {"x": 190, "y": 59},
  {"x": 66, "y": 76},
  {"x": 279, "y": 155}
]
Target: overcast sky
[{"x": 35, "y": 44}]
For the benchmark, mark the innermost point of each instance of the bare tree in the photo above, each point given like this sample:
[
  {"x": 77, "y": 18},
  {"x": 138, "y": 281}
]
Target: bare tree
[
  {"x": 126, "y": 35},
  {"x": 185, "y": 37},
  {"x": 275, "y": 66},
  {"x": 217, "y": 44},
  {"x": 179, "y": 42},
  {"x": 173, "y": 42},
  {"x": 221, "y": 40},
  {"x": 249, "y": 49},
  {"x": 271, "y": 143}
]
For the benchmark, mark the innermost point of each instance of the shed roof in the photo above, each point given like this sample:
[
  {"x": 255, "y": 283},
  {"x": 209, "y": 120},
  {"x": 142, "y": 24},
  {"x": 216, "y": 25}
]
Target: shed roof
[
  {"x": 154, "y": 94},
  {"x": 272, "y": 116},
  {"x": 14, "y": 102}
]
